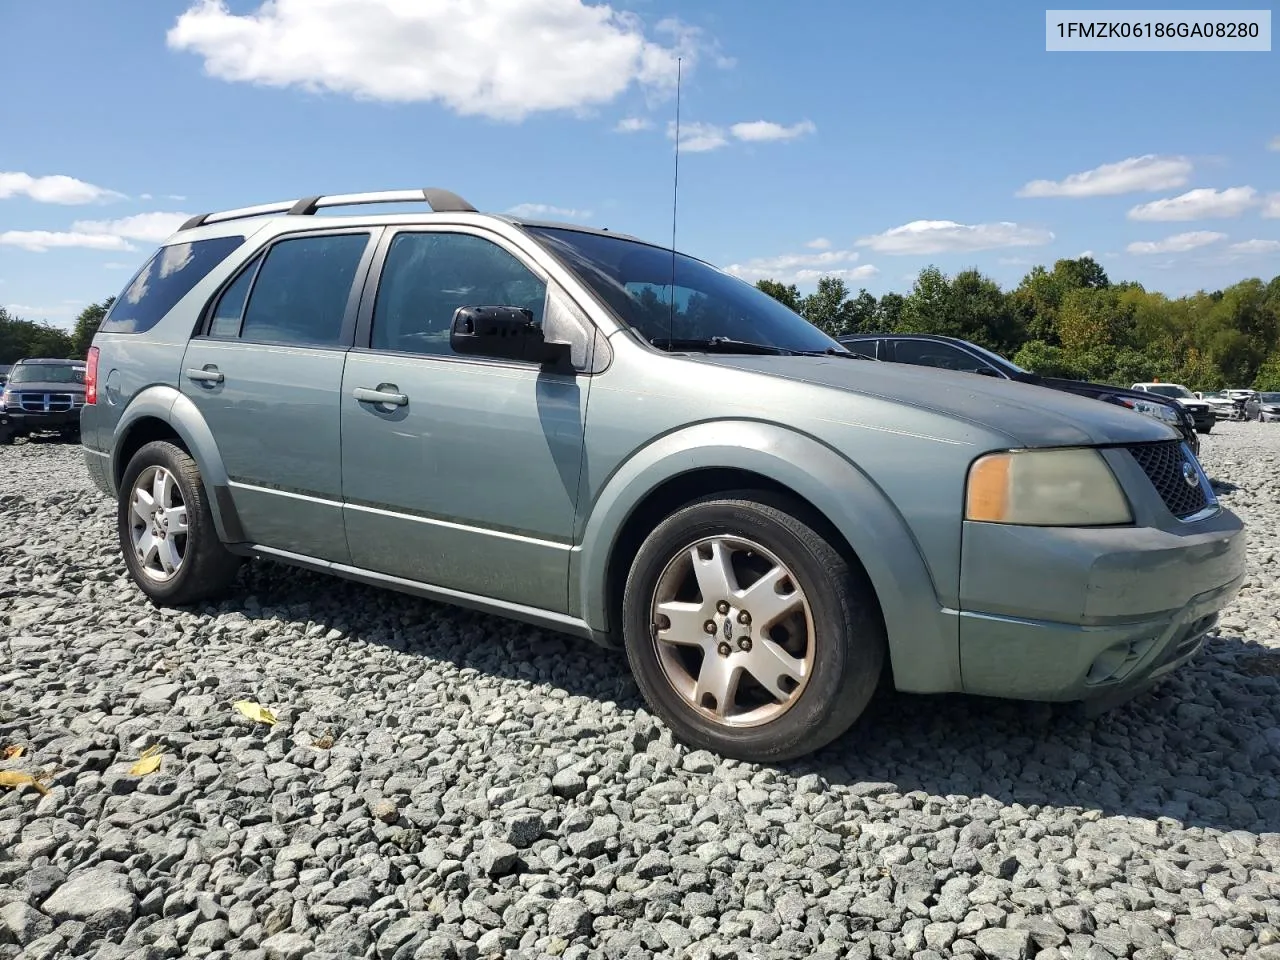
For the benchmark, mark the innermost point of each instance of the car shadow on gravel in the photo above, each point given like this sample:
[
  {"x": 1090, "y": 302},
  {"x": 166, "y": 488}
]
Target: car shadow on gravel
[{"x": 1202, "y": 748}]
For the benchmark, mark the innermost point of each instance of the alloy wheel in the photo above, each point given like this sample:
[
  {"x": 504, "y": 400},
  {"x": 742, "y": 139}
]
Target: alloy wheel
[{"x": 733, "y": 631}]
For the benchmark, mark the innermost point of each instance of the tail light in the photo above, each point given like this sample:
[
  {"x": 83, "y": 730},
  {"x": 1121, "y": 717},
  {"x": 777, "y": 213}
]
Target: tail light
[{"x": 91, "y": 377}]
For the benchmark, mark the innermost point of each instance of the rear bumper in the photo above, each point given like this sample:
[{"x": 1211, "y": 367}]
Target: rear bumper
[{"x": 1091, "y": 614}]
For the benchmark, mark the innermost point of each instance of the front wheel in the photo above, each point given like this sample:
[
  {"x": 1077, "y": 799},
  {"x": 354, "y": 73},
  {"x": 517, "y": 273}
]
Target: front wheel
[
  {"x": 166, "y": 530},
  {"x": 748, "y": 632},
  {"x": 1205, "y": 429}
]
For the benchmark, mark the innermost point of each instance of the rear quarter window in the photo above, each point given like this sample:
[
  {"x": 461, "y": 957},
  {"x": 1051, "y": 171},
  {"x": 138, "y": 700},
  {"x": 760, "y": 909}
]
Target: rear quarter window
[{"x": 164, "y": 280}]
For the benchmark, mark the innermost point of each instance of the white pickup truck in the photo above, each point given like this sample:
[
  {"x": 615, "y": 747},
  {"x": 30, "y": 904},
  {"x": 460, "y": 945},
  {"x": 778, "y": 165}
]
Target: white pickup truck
[{"x": 1201, "y": 412}]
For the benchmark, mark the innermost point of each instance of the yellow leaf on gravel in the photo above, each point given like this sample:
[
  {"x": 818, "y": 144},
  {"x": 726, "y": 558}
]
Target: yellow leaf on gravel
[
  {"x": 255, "y": 711},
  {"x": 148, "y": 763},
  {"x": 14, "y": 752},
  {"x": 14, "y": 779}
]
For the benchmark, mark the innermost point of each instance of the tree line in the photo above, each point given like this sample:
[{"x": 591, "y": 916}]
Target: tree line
[
  {"x": 24, "y": 338},
  {"x": 1072, "y": 321}
]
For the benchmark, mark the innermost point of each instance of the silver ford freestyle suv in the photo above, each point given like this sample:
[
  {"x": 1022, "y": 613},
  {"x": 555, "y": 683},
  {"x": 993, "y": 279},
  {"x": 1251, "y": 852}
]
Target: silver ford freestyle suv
[{"x": 600, "y": 436}]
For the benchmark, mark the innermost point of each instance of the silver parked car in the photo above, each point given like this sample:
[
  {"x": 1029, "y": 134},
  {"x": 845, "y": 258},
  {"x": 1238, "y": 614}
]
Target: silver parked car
[
  {"x": 1263, "y": 407},
  {"x": 597, "y": 435}
]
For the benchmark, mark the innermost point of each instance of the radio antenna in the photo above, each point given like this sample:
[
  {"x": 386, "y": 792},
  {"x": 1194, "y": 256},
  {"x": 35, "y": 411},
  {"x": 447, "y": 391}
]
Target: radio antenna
[{"x": 675, "y": 194}]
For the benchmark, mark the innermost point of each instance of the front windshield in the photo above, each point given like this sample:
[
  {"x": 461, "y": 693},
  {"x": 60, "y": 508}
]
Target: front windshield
[
  {"x": 635, "y": 281},
  {"x": 1270, "y": 397},
  {"x": 1170, "y": 390},
  {"x": 47, "y": 373}
]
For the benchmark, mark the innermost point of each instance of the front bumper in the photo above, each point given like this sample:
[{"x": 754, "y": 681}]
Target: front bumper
[
  {"x": 18, "y": 422},
  {"x": 1091, "y": 614}
]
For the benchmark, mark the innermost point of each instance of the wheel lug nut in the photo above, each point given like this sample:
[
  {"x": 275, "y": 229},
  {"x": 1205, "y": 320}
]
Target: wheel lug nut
[
  {"x": 744, "y": 644},
  {"x": 744, "y": 617},
  {"x": 709, "y": 626},
  {"x": 723, "y": 606},
  {"x": 724, "y": 649}
]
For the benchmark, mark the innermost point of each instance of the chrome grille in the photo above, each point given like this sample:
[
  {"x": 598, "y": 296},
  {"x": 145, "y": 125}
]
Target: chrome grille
[
  {"x": 1165, "y": 466},
  {"x": 33, "y": 402}
]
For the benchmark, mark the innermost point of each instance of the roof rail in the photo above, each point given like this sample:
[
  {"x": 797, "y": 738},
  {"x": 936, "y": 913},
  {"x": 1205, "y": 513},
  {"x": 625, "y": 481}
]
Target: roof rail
[{"x": 440, "y": 201}]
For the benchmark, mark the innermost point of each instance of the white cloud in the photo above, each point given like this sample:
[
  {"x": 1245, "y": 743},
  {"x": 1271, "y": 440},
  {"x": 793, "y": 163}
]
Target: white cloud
[
  {"x": 145, "y": 227},
  {"x": 1271, "y": 208},
  {"x": 1201, "y": 204},
  {"x": 819, "y": 243},
  {"x": 176, "y": 196},
  {"x": 698, "y": 137},
  {"x": 1249, "y": 247},
  {"x": 1178, "y": 243},
  {"x": 545, "y": 210},
  {"x": 493, "y": 58},
  {"x": 145, "y": 196},
  {"x": 756, "y": 131},
  {"x": 1274, "y": 143},
  {"x": 633, "y": 125},
  {"x": 113, "y": 265},
  {"x": 1086, "y": 253},
  {"x": 1148, "y": 172},
  {"x": 947, "y": 236},
  {"x": 803, "y": 267},
  {"x": 41, "y": 241},
  {"x": 55, "y": 189}
]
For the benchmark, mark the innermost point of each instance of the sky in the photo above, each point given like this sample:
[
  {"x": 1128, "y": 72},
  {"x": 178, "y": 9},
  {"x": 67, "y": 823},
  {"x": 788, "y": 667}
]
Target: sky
[{"x": 817, "y": 136}]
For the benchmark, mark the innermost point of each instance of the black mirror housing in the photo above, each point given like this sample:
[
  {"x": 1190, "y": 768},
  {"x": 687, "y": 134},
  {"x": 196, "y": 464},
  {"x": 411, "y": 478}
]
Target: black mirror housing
[{"x": 504, "y": 333}]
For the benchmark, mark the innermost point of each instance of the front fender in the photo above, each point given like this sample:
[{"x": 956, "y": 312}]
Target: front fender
[
  {"x": 923, "y": 638},
  {"x": 170, "y": 406}
]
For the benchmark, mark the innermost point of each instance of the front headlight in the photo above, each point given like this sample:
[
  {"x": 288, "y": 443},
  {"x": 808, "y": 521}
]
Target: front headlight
[
  {"x": 1070, "y": 487},
  {"x": 1160, "y": 411}
]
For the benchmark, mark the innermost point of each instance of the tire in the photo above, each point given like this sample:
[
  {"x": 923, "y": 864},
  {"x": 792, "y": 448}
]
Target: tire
[
  {"x": 204, "y": 568},
  {"x": 834, "y": 629},
  {"x": 1205, "y": 430}
]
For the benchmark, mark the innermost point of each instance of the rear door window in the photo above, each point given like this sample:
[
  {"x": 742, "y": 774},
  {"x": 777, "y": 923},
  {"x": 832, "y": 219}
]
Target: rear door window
[
  {"x": 164, "y": 280},
  {"x": 300, "y": 294}
]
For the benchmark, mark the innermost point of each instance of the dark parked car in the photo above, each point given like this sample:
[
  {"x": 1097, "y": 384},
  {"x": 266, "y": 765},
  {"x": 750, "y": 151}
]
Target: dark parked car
[
  {"x": 42, "y": 396},
  {"x": 1263, "y": 407},
  {"x": 952, "y": 353}
]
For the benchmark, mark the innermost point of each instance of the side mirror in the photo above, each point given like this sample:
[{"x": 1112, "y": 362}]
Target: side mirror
[{"x": 504, "y": 333}]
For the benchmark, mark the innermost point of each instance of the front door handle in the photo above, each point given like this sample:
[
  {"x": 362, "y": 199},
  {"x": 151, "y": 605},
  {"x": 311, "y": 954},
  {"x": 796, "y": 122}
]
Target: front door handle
[
  {"x": 365, "y": 395},
  {"x": 209, "y": 374}
]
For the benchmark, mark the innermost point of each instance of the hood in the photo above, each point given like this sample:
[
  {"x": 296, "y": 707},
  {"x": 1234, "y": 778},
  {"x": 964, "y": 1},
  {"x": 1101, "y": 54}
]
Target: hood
[{"x": 1033, "y": 416}]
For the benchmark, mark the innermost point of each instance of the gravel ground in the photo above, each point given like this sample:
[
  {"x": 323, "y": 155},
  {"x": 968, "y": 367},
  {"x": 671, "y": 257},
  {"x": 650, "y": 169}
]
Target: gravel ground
[{"x": 444, "y": 784}]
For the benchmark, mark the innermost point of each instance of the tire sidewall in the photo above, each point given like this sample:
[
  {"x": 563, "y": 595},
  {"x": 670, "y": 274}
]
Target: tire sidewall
[
  {"x": 828, "y": 604},
  {"x": 161, "y": 454}
]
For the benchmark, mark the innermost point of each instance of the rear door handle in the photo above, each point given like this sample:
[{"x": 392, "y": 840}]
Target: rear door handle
[
  {"x": 207, "y": 375},
  {"x": 365, "y": 395}
]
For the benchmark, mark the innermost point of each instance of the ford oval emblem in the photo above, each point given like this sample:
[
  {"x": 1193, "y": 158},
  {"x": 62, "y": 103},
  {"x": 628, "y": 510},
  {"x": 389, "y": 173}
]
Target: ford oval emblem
[{"x": 1189, "y": 474}]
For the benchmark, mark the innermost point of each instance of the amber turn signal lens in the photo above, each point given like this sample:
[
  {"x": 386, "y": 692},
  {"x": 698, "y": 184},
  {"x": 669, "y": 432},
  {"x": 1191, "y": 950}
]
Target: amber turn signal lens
[{"x": 988, "y": 495}]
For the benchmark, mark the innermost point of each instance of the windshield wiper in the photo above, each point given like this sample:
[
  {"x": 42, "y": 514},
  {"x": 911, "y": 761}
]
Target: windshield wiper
[
  {"x": 830, "y": 352},
  {"x": 722, "y": 345}
]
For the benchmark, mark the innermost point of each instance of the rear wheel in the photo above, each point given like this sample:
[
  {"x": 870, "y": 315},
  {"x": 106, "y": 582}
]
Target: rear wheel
[
  {"x": 748, "y": 632},
  {"x": 166, "y": 530}
]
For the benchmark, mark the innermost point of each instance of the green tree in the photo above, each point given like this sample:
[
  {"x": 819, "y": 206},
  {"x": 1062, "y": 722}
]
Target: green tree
[
  {"x": 786, "y": 294},
  {"x": 87, "y": 324},
  {"x": 1268, "y": 377},
  {"x": 829, "y": 308},
  {"x": 21, "y": 338}
]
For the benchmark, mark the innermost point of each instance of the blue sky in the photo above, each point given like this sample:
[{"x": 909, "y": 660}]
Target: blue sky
[{"x": 863, "y": 139}]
